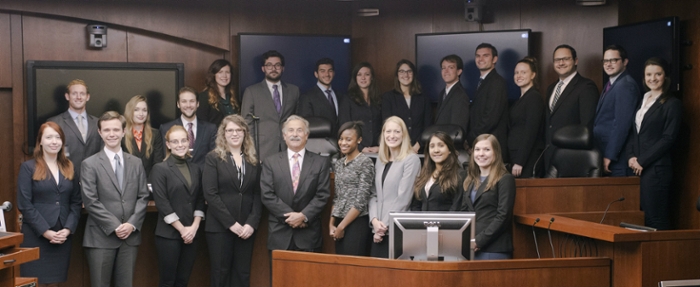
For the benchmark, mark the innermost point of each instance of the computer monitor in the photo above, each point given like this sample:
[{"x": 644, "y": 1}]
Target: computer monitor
[
  {"x": 680, "y": 283},
  {"x": 431, "y": 236}
]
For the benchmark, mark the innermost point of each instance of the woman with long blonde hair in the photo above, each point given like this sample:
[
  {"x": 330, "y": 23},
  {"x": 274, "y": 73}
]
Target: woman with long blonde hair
[{"x": 140, "y": 139}]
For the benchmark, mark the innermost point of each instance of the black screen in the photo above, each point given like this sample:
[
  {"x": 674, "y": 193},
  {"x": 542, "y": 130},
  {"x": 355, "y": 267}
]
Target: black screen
[
  {"x": 111, "y": 86},
  {"x": 512, "y": 46},
  {"x": 300, "y": 55},
  {"x": 657, "y": 38}
]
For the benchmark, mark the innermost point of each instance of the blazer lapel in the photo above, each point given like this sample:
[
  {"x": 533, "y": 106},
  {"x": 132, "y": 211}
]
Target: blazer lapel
[
  {"x": 481, "y": 190},
  {"x": 176, "y": 171},
  {"x": 231, "y": 170},
  {"x": 654, "y": 107},
  {"x": 248, "y": 177},
  {"x": 107, "y": 165},
  {"x": 569, "y": 87}
]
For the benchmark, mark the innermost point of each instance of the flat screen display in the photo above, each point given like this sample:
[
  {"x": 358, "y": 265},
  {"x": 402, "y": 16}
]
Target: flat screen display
[
  {"x": 300, "y": 55},
  {"x": 431, "y": 236},
  {"x": 512, "y": 46},
  {"x": 111, "y": 86}
]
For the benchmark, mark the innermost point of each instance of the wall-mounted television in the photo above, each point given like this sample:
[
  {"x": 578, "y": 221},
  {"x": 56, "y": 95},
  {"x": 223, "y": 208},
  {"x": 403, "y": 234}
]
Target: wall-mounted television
[
  {"x": 512, "y": 46},
  {"x": 656, "y": 38},
  {"x": 300, "y": 55},
  {"x": 431, "y": 236},
  {"x": 111, "y": 85}
]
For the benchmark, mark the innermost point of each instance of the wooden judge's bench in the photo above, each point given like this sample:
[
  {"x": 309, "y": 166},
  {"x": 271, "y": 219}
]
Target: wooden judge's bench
[{"x": 587, "y": 253}]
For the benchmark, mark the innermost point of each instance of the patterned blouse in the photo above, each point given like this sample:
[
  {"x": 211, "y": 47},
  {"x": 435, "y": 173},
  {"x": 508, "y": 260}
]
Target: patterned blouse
[{"x": 354, "y": 182}]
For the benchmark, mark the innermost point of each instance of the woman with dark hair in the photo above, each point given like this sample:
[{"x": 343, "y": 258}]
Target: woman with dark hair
[
  {"x": 177, "y": 191},
  {"x": 354, "y": 179},
  {"x": 489, "y": 191},
  {"x": 363, "y": 105},
  {"x": 218, "y": 98},
  {"x": 48, "y": 196},
  {"x": 438, "y": 181},
  {"x": 231, "y": 184},
  {"x": 140, "y": 139},
  {"x": 525, "y": 127},
  {"x": 406, "y": 102},
  {"x": 654, "y": 133}
]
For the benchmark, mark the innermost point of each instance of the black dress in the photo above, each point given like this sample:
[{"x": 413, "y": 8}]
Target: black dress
[{"x": 46, "y": 205}]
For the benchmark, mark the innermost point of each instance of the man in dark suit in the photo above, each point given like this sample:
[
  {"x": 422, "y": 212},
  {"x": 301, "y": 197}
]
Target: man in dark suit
[
  {"x": 489, "y": 109},
  {"x": 115, "y": 196},
  {"x": 322, "y": 100},
  {"x": 571, "y": 100},
  {"x": 453, "y": 103},
  {"x": 82, "y": 139},
  {"x": 201, "y": 134},
  {"x": 272, "y": 102},
  {"x": 295, "y": 188},
  {"x": 615, "y": 111}
]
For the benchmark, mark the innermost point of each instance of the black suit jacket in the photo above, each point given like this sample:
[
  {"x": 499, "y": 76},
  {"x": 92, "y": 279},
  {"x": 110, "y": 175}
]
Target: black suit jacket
[
  {"x": 207, "y": 112},
  {"x": 436, "y": 201},
  {"x": 157, "y": 154},
  {"x": 205, "y": 139},
  {"x": 526, "y": 129},
  {"x": 494, "y": 213},
  {"x": 310, "y": 199},
  {"x": 489, "y": 111},
  {"x": 417, "y": 117},
  {"x": 43, "y": 203},
  {"x": 76, "y": 148},
  {"x": 454, "y": 109},
  {"x": 659, "y": 130},
  {"x": 229, "y": 202},
  {"x": 370, "y": 115},
  {"x": 172, "y": 195},
  {"x": 576, "y": 106},
  {"x": 314, "y": 103}
]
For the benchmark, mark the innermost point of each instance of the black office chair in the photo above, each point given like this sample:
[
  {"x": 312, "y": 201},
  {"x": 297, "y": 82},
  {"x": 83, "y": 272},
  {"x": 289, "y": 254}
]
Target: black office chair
[
  {"x": 575, "y": 155},
  {"x": 457, "y": 135},
  {"x": 321, "y": 141}
]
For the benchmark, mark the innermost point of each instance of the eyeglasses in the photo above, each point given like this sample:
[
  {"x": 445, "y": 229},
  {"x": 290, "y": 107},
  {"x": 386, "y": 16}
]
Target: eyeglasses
[
  {"x": 565, "y": 59},
  {"x": 271, "y": 66},
  {"x": 234, "y": 131},
  {"x": 405, "y": 72},
  {"x": 611, "y": 61},
  {"x": 183, "y": 141}
]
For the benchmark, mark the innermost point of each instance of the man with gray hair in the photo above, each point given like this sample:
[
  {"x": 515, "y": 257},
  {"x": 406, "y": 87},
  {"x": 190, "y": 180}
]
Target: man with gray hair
[{"x": 295, "y": 188}]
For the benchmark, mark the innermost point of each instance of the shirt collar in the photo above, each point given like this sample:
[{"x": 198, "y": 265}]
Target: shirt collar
[
  {"x": 323, "y": 88},
  {"x": 110, "y": 154},
  {"x": 73, "y": 114},
  {"x": 291, "y": 153},
  {"x": 613, "y": 79},
  {"x": 185, "y": 121},
  {"x": 270, "y": 84},
  {"x": 568, "y": 79}
]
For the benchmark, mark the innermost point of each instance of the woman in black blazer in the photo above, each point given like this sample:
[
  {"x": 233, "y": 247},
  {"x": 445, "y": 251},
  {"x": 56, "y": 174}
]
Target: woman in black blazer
[
  {"x": 48, "y": 196},
  {"x": 657, "y": 122},
  {"x": 489, "y": 191},
  {"x": 438, "y": 181},
  {"x": 232, "y": 189},
  {"x": 218, "y": 99},
  {"x": 525, "y": 127},
  {"x": 406, "y": 102},
  {"x": 363, "y": 104},
  {"x": 177, "y": 192},
  {"x": 140, "y": 139}
]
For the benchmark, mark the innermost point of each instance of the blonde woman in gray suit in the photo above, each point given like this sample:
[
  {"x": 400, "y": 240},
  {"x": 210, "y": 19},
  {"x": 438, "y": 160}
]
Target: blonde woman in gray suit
[{"x": 395, "y": 171}]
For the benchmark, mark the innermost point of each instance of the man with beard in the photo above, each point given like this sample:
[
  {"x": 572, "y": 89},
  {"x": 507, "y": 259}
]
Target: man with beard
[
  {"x": 201, "y": 135},
  {"x": 322, "y": 100},
  {"x": 272, "y": 102}
]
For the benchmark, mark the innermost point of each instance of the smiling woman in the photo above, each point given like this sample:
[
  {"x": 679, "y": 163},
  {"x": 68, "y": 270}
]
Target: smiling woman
[
  {"x": 140, "y": 139},
  {"x": 218, "y": 98},
  {"x": 437, "y": 184}
]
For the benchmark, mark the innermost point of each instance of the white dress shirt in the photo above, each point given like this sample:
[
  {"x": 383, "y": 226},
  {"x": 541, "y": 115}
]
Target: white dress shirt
[
  {"x": 648, "y": 101},
  {"x": 563, "y": 87}
]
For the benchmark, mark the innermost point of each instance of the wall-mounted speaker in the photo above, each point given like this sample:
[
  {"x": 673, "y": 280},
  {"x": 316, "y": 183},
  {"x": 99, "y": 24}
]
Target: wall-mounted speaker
[{"x": 473, "y": 10}]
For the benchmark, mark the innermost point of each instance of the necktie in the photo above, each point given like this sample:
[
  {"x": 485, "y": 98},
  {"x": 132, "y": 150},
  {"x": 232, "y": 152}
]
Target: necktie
[
  {"x": 295, "y": 172},
  {"x": 81, "y": 127},
  {"x": 478, "y": 85},
  {"x": 330, "y": 99},
  {"x": 276, "y": 97},
  {"x": 557, "y": 93},
  {"x": 118, "y": 170},
  {"x": 190, "y": 135},
  {"x": 607, "y": 88}
]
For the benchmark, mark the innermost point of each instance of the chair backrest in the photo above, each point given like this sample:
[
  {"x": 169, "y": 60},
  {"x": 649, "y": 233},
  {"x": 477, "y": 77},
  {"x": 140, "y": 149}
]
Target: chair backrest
[
  {"x": 457, "y": 135},
  {"x": 575, "y": 155},
  {"x": 320, "y": 139}
]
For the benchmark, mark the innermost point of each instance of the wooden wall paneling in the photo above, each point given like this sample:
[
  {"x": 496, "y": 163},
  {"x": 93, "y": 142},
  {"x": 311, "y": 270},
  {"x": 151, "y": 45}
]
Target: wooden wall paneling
[
  {"x": 686, "y": 152},
  {"x": 184, "y": 19},
  {"x": 60, "y": 39},
  {"x": 672, "y": 255},
  {"x": 290, "y": 17},
  {"x": 5, "y": 51},
  {"x": 150, "y": 47},
  {"x": 13, "y": 118}
]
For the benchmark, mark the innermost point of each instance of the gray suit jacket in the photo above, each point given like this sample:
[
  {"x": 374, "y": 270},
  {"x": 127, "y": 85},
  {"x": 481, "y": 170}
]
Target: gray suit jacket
[
  {"x": 77, "y": 149},
  {"x": 310, "y": 199},
  {"x": 257, "y": 100},
  {"x": 396, "y": 192},
  {"x": 107, "y": 205}
]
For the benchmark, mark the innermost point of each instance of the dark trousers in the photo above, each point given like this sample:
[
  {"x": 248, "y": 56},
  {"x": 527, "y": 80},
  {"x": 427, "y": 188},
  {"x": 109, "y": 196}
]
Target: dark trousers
[
  {"x": 357, "y": 237},
  {"x": 620, "y": 168},
  {"x": 655, "y": 193},
  {"x": 381, "y": 249},
  {"x": 230, "y": 258},
  {"x": 175, "y": 261},
  {"x": 107, "y": 263}
]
